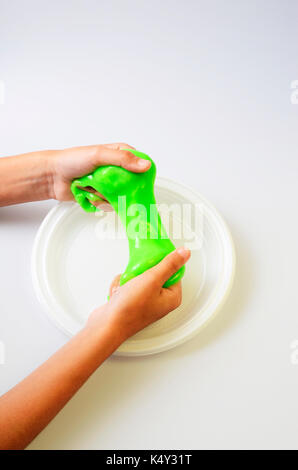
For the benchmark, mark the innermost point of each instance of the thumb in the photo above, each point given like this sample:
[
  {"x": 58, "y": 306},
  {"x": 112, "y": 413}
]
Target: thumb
[{"x": 170, "y": 264}]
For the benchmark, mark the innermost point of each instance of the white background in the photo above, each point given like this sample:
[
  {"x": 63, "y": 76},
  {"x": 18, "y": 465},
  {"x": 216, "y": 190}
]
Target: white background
[{"x": 204, "y": 87}]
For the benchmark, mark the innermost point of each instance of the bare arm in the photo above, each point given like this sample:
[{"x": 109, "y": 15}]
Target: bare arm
[
  {"x": 47, "y": 174},
  {"x": 25, "y": 178},
  {"x": 33, "y": 403}
]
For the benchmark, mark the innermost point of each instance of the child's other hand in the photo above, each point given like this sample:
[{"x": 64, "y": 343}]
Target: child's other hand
[
  {"x": 65, "y": 165},
  {"x": 141, "y": 300}
]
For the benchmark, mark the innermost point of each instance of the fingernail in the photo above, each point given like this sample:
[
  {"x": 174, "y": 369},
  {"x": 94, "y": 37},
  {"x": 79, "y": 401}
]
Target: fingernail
[
  {"x": 104, "y": 206},
  {"x": 184, "y": 252},
  {"x": 143, "y": 164}
]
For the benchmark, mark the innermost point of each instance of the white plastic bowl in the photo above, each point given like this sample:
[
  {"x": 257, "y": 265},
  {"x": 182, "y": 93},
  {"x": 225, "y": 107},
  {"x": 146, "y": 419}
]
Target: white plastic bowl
[{"x": 76, "y": 255}]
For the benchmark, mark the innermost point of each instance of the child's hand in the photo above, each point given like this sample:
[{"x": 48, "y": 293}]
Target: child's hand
[
  {"x": 141, "y": 300},
  {"x": 65, "y": 165}
]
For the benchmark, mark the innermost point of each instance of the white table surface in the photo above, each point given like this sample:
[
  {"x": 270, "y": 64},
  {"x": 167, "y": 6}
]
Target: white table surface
[{"x": 204, "y": 88}]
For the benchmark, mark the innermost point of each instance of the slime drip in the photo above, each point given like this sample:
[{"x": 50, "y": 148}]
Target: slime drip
[{"x": 132, "y": 197}]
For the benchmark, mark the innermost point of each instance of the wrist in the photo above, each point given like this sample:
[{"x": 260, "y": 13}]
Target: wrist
[
  {"x": 103, "y": 325},
  {"x": 50, "y": 172},
  {"x": 26, "y": 178}
]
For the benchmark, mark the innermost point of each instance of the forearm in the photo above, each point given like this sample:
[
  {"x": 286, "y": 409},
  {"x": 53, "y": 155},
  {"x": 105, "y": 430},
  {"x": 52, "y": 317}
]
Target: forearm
[
  {"x": 48, "y": 174},
  {"x": 33, "y": 403},
  {"x": 25, "y": 178}
]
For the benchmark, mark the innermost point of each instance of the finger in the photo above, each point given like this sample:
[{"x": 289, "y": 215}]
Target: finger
[
  {"x": 124, "y": 158},
  {"x": 92, "y": 190},
  {"x": 173, "y": 295},
  {"x": 119, "y": 146},
  {"x": 104, "y": 206},
  {"x": 101, "y": 203},
  {"x": 115, "y": 284},
  {"x": 170, "y": 265}
]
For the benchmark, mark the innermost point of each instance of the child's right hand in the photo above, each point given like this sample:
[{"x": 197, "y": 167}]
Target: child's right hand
[{"x": 142, "y": 300}]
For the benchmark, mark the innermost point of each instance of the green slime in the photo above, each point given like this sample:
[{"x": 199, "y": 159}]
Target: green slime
[{"x": 132, "y": 197}]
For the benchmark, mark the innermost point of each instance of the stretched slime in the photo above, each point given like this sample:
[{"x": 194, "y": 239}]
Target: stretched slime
[{"x": 132, "y": 197}]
